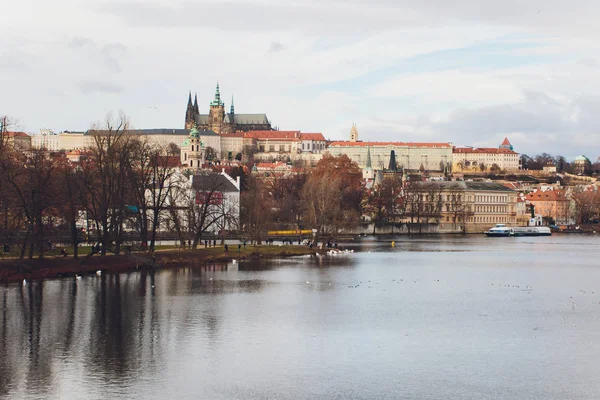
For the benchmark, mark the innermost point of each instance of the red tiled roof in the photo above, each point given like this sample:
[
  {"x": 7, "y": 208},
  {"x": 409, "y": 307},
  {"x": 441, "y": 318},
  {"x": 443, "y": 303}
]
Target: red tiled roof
[
  {"x": 385, "y": 144},
  {"x": 549, "y": 195},
  {"x": 505, "y": 142},
  {"x": 15, "y": 134},
  {"x": 482, "y": 150},
  {"x": 312, "y": 136}
]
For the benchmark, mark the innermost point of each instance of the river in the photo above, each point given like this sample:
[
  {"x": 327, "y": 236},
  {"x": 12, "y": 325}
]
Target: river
[{"x": 431, "y": 318}]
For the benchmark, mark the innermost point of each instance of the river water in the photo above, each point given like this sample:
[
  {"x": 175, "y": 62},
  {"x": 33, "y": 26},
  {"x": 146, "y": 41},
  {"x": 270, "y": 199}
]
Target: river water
[{"x": 431, "y": 318}]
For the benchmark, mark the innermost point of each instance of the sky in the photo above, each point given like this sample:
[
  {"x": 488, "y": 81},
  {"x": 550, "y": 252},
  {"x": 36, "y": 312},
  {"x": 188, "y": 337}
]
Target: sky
[{"x": 468, "y": 72}]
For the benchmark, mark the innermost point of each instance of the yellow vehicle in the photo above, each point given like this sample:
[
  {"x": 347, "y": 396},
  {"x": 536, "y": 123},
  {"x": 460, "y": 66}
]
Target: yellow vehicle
[{"x": 291, "y": 232}]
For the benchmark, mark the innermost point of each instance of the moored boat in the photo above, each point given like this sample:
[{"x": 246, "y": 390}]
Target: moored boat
[
  {"x": 500, "y": 230},
  {"x": 531, "y": 231}
]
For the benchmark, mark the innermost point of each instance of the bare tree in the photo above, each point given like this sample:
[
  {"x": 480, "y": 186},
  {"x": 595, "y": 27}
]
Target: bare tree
[
  {"x": 210, "y": 209},
  {"x": 150, "y": 171},
  {"x": 105, "y": 176},
  {"x": 458, "y": 208},
  {"x": 256, "y": 211},
  {"x": 31, "y": 179}
]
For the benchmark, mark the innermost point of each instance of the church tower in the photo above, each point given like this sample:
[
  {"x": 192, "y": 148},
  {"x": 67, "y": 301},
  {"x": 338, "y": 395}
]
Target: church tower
[
  {"x": 194, "y": 149},
  {"x": 354, "y": 133},
  {"x": 367, "y": 172},
  {"x": 216, "y": 115},
  {"x": 190, "y": 113}
]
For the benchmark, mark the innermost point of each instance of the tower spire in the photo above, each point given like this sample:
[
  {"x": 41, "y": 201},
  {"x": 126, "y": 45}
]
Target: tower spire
[
  {"x": 190, "y": 115},
  {"x": 196, "y": 110},
  {"x": 368, "y": 158},
  {"x": 217, "y": 101},
  {"x": 232, "y": 111}
]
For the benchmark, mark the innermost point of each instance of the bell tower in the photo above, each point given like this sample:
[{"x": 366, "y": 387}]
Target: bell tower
[
  {"x": 354, "y": 133},
  {"x": 196, "y": 151},
  {"x": 216, "y": 115}
]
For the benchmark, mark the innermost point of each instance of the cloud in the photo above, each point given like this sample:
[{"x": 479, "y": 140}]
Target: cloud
[
  {"x": 275, "y": 47},
  {"x": 110, "y": 54},
  {"x": 331, "y": 17},
  {"x": 81, "y": 42},
  {"x": 92, "y": 86}
]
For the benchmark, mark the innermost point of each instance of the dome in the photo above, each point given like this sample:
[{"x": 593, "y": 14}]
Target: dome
[
  {"x": 582, "y": 158},
  {"x": 185, "y": 143},
  {"x": 194, "y": 133}
]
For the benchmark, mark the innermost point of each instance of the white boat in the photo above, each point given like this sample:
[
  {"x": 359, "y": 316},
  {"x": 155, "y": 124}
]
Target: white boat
[
  {"x": 500, "y": 230},
  {"x": 531, "y": 231}
]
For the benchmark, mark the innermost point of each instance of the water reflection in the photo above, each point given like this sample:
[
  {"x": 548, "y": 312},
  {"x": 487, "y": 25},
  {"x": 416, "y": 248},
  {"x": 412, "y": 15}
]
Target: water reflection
[{"x": 393, "y": 318}]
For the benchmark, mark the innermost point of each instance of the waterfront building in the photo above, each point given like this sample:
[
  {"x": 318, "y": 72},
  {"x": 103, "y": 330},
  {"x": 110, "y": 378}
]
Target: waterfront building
[
  {"x": 482, "y": 159},
  {"x": 470, "y": 207},
  {"x": 219, "y": 121},
  {"x": 551, "y": 204}
]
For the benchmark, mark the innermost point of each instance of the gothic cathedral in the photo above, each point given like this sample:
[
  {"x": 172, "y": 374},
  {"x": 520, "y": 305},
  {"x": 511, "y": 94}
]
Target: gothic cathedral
[{"x": 220, "y": 122}]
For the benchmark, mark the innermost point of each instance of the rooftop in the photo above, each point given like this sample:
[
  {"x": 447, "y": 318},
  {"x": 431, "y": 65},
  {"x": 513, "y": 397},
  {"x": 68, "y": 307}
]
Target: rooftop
[
  {"x": 389, "y": 144},
  {"x": 482, "y": 150}
]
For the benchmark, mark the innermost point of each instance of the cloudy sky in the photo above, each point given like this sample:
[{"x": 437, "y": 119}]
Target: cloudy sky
[{"x": 465, "y": 71}]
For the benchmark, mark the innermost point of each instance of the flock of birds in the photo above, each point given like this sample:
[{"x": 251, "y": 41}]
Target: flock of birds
[{"x": 77, "y": 277}]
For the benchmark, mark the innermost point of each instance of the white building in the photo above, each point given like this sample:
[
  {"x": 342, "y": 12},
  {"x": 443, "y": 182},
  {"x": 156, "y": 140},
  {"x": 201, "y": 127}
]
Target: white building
[
  {"x": 408, "y": 155},
  {"x": 215, "y": 197},
  {"x": 483, "y": 158},
  {"x": 46, "y": 139}
]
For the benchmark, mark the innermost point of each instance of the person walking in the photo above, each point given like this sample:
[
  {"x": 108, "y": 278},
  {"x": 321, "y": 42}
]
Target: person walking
[
  {"x": 226, "y": 248},
  {"x": 239, "y": 247}
]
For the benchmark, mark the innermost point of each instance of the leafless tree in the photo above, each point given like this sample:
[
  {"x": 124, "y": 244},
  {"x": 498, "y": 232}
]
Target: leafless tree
[
  {"x": 256, "y": 211},
  {"x": 105, "y": 177}
]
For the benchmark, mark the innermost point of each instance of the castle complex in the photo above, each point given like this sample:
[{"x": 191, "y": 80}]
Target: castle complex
[{"x": 220, "y": 122}]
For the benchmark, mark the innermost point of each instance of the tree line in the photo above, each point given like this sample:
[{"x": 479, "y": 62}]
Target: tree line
[{"x": 122, "y": 186}]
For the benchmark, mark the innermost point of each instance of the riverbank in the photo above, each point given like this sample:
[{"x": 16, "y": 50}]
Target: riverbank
[{"x": 15, "y": 270}]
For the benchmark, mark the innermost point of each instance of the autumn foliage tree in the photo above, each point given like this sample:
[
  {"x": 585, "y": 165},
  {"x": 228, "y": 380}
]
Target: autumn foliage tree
[{"x": 331, "y": 197}]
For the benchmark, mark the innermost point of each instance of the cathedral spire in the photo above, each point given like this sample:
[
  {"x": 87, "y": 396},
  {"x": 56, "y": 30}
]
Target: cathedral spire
[
  {"x": 190, "y": 116},
  {"x": 217, "y": 101},
  {"x": 196, "y": 110},
  {"x": 232, "y": 111}
]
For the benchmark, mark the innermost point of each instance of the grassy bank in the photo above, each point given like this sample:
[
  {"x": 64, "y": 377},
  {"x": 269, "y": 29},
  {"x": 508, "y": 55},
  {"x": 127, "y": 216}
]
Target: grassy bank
[{"x": 14, "y": 270}]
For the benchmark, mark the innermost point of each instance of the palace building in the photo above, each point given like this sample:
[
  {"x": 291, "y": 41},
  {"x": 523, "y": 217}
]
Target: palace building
[{"x": 219, "y": 121}]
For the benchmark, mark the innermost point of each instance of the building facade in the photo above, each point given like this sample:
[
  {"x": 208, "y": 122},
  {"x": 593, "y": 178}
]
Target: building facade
[
  {"x": 551, "y": 204},
  {"x": 470, "y": 207},
  {"x": 406, "y": 155},
  {"x": 482, "y": 159},
  {"x": 18, "y": 140},
  {"x": 46, "y": 139}
]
